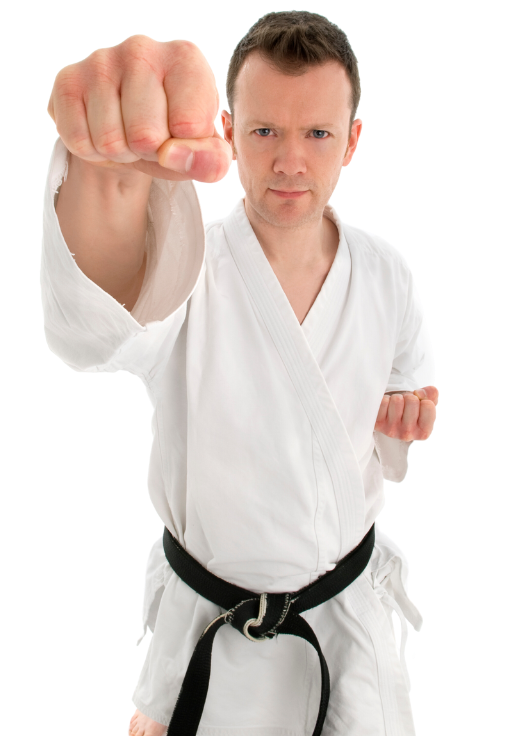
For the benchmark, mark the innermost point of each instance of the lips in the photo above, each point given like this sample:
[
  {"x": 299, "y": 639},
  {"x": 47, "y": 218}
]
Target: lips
[{"x": 289, "y": 194}]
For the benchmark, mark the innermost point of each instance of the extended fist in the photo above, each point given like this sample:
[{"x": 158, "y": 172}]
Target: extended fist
[{"x": 142, "y": 105}]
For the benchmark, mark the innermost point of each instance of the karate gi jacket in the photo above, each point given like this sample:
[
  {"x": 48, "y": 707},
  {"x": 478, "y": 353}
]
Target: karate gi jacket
[{"x": 265, "y": 464}]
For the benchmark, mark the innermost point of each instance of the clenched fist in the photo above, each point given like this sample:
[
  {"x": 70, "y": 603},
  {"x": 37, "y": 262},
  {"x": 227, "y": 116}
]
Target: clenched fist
[
  {"x": 408, "y": 416},
  {"x": 142, "y": 105}
]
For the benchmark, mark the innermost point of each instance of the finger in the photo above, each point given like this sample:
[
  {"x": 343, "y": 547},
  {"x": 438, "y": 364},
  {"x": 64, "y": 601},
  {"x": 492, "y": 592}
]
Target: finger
[
  {"x": 191, "y": 92},
  {"x": 427, "y": 418},
  {"x": 383, "y": 409},
  {"x": 432, "y": 394},
  {"x": 429, "y": 392},
  {"x": 199, "y": 153},
  {"x": 409, "y": 421},
  {"x": 144, "y": 111},
  {"x": 394, "y": 415},
  {"x": 69, "y": 112},
  {"x": 104, "y": 116}
]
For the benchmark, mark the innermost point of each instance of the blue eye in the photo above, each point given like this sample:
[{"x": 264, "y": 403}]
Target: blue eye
[
  {"x": 263, "y": 132},
  {"x": 268, "y": 129},
  {"x": 320, "y": 133}
]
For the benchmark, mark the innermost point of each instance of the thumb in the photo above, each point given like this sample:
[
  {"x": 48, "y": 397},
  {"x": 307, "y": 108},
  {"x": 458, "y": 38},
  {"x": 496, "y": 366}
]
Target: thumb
[
  {"x": 203, "y": 159},
  {"x": 429, "y": 392}
]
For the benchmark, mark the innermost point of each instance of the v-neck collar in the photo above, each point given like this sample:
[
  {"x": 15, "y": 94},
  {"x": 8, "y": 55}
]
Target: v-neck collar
[
  {"x": 303, "y": 370},
  {"x": 331, "y": 297}
]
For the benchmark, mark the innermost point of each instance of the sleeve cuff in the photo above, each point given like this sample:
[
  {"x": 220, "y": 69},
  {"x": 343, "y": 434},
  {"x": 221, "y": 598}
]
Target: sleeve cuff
[{"x": 392, "y": 455}]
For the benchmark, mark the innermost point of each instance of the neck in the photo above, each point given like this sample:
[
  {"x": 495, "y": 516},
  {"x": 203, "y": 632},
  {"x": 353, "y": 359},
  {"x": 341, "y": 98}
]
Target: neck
[{"x": 294, "y": 248}]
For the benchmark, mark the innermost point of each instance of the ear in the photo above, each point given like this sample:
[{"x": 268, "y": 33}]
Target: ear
[
  {"x": 354, "y": 138},
  {"x": 227, "y": 127}
]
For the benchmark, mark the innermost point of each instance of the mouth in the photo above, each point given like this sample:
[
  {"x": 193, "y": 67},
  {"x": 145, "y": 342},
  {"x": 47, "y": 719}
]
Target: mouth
[{"x": 289, "y": 194}]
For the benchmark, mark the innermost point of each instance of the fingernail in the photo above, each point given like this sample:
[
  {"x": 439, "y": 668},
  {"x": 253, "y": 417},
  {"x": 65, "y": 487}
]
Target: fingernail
[
  {"x": 180, "y": 158},
  {"x": 421, "y": 393}
]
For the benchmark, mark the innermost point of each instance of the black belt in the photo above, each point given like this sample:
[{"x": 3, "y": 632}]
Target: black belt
[{"x": 256, "y": 616}]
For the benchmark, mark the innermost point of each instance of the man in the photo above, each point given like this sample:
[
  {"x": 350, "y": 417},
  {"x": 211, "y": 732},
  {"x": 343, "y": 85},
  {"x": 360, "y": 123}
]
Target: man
[{"x": 282, "y": 360}]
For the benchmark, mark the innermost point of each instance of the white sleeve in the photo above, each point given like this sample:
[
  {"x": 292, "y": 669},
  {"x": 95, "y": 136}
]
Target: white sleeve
[
  {"x": 85, "y": 326},
  {"x": 413, "y": 364},
  {"x": 412, "y": 368}
]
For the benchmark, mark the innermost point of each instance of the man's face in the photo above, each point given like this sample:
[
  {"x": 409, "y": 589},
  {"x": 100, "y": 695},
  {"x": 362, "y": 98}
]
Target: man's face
[{"x": 290, "y": 138}]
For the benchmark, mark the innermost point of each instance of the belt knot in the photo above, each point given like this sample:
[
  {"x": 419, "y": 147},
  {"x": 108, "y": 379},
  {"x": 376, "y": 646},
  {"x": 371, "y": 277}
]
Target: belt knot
[{"x": 259, "y": 618}]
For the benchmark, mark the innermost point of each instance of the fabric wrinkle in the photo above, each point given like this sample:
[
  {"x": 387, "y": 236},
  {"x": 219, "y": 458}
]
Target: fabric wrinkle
[{"x": 388, "y": 577}]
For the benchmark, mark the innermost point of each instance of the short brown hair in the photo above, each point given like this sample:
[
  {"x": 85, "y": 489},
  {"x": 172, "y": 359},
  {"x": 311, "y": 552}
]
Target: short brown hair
[{"x": 292, "y": 41}]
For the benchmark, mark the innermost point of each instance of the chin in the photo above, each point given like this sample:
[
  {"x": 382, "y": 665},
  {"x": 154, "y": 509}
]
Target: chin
[{"x": 288, "y": 213}]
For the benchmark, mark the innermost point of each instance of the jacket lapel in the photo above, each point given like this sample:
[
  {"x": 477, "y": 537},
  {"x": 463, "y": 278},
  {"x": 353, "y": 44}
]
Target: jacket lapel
[{"x": 290, "y": 340}]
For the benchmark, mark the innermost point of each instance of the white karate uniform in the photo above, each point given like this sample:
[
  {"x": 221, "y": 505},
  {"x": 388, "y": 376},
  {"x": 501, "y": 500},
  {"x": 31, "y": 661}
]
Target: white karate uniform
[{"x": 265, "y": 465}]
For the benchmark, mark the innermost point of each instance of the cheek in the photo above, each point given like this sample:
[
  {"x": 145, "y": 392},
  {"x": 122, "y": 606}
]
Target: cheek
[{"x": 252, "y": 166}]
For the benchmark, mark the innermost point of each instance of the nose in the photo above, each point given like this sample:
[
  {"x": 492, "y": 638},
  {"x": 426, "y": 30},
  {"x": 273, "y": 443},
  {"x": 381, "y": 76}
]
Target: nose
[{"x": 290, "y": 159}]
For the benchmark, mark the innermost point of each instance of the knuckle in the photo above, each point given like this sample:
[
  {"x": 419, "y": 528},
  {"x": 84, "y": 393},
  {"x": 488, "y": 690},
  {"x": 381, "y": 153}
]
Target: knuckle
[
  {"x": 80, "y": 147},
  {"x": 177, "y": 52},
  {"x": 139, "y": 48},
  {"x": 65, "y": 73},
  {"x": 68, "y": 83},
  {"x": 184, "y": 59},
  {"x": 142, "y": 140},
  {"x": 183, "y": 50},
  {"x": 137, "y": 45},
  {"x": 183, "y": 128},
  {"x": 137, "y": 41},
  {"x": 110, "y": 143},
  {"x": 99, "y": 58}
]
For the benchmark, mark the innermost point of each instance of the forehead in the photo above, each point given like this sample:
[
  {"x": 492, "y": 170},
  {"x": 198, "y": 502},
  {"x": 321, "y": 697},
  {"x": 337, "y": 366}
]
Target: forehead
[{"x": 322, "y": 90}]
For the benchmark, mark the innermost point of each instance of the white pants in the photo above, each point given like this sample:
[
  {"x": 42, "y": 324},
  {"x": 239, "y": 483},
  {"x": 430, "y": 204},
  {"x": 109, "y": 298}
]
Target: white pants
[{"x": 272, "y": 688}]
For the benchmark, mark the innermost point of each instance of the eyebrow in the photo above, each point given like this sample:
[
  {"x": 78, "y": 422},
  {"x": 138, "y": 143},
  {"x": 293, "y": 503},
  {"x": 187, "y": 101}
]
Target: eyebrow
[{"x": 265, "y": 124}]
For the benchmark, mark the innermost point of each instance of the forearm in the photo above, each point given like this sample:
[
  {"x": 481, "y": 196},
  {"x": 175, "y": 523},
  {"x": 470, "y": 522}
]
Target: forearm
[{"x": 103, "y": 218}]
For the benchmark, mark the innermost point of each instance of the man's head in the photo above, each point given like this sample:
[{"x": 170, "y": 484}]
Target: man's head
[{"x": 293, "y": 89}]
